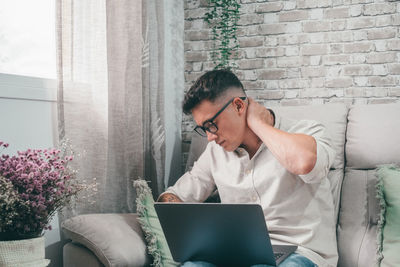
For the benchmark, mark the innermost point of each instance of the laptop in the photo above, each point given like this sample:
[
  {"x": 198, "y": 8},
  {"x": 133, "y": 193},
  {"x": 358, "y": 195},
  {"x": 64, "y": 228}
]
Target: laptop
[{"x": 222, "y": 234}]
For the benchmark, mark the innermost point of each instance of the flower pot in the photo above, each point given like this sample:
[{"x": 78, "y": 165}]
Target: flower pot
[{"x": 23, "y": 253}]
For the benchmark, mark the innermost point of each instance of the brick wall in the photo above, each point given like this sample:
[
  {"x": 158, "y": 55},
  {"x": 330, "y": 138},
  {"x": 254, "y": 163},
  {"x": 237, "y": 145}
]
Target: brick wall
[{"x": 305, "y": 52}]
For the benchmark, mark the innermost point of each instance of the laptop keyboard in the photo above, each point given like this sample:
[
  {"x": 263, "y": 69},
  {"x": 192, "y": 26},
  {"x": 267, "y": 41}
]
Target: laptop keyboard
[{"x": 278, "y": 255}]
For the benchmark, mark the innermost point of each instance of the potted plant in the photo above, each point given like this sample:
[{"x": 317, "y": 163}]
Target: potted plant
[{"x": 34, "y": 185}]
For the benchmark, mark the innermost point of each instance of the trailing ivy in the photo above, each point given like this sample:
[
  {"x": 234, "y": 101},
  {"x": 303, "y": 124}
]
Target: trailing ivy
[{"x": 222, "y": 17}]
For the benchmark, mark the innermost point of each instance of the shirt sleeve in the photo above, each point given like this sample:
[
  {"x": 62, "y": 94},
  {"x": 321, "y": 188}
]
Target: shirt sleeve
[
  {"x": 325, "y": 151},
  {"x": 197, "y": 184}
]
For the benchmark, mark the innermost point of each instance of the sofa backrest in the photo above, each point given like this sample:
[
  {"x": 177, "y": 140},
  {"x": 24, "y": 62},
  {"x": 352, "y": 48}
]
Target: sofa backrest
[{"x": 372, "y": 138}]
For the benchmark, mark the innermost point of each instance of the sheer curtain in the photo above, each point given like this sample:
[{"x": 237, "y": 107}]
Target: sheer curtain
[{"x": 111, "y": 94}]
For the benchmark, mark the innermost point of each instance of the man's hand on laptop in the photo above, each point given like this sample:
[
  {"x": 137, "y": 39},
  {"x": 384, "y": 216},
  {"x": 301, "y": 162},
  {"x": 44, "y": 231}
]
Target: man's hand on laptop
[{"x": 168, "y": 197}]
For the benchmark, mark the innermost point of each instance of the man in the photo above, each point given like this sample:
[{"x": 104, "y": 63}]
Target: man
[{"x": 254, "y": 156}]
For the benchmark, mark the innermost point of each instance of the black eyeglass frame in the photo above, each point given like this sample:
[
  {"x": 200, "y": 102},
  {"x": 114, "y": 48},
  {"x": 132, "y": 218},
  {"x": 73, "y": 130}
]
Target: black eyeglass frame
[{"x": 202, "y": 130}]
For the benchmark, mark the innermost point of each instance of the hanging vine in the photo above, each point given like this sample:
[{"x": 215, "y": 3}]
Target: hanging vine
[{"x": 222, "y": 17}]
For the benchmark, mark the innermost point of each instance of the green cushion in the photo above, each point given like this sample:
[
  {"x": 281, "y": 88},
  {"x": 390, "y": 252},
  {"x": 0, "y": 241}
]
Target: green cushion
[
  {"x": 148, "y": 219},
  {"x": 389, "y": 223}
]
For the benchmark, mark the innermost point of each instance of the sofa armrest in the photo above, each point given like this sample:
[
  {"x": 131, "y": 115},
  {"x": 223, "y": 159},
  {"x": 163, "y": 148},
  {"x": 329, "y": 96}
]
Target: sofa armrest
[{"x": 115, "y": 239}]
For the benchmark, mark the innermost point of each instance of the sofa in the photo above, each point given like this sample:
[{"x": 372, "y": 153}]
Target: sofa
[{"x": 364, "y": 137}]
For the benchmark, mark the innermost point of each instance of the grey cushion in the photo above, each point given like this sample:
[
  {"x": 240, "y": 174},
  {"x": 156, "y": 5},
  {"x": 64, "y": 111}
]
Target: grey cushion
[
  {"x": 77, "y": 255},
  {"x": 373, "y": 133},
  {"x": 116, "y": 239},
  {"x": 358, "y": 217},
  {"x": 332, "y": 116}
]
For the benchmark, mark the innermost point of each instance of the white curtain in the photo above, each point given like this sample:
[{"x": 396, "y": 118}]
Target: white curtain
[{"x": 111, "y": 86}]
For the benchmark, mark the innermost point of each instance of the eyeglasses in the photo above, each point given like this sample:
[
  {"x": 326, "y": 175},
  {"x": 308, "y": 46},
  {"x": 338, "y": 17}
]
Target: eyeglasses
[{"x": 209, "y": 125}]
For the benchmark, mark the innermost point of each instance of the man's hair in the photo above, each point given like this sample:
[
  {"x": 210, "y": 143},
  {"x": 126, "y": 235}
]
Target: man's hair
[{"x": 210, "y": 86}]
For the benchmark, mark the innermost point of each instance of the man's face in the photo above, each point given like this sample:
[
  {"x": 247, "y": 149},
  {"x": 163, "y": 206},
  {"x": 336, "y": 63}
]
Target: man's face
[{"x": 231, "y": 122}]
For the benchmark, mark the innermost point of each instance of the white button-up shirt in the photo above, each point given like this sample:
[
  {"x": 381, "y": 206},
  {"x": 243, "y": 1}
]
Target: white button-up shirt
[{"x": 298, "y": 209}]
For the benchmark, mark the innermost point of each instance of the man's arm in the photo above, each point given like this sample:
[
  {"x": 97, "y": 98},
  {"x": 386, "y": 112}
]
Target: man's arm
[
  {"x": 296, "y": 152},
  {"x": 169, "y": 197}
]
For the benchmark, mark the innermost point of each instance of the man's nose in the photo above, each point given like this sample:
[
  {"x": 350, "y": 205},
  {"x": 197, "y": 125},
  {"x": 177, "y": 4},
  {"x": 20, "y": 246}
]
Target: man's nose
[{"x": 211, "y": 136}]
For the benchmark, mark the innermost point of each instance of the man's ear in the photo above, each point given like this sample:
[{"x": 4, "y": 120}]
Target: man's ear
[{"x": 239, "y": 105}]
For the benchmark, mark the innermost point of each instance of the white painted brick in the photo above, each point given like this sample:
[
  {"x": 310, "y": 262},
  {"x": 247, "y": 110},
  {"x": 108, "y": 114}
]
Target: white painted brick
[
  {"x": 333, "y": 71},
  {"x": 251, "y": 41},
  {"x": 336, "y": 48},
  {"x": 316, "y": 13},
  {"x": 295, "y": 15},
  {"x": 294, "y": 83},
  {"x": 358, "y": 58},
  {"x": 396, "y": 19},
  {"x": 360, "y": 47},
  {"x": 357, "y": 70},
  {"x": 293, "y": 73},
  {"x": 360, "y": 35},
  {"x": 314, "y": 49},
  {"x": 288, "y": 62},
  {"x": 336, "y": 59},
  {"x": 386, "y": 57},
  {"x": 268, "y": 7},
  {"x": 342, "y": 82},
  {"x": 338, "y": 25},
  {"x": 337, "y": 2},
  {"x": 293, "y": 27},
  {"x": 248, "y": 8},
  {"x": 360, "y": 23},
  {"x": 354, "y": 92},
  {"x": 361, "y": 81},
  {"x": 383, "y": 21},
  {"x": 342, "y": 36},
  {"x": 248, "y": 19},
  {"x": 296, "y": 102},
  {"x": 272, "y": 74},
  {"x": 317, "y": 82},
  {"x": 270, "y": 18},
  {"x": 292, "y": 51},
  {"x": 289, "y": 39},
  {"x": 291, "y": 93},
  {"x": 317, "y": 37},
  {"x": 250, "y": 75},
  {"x": 270, "y": 52},
  {"x": 385, "y": 33},
  {"x": 394, "y": 92},
  {"x": 316, "y": 26},
  {"x": 355, "y": 10},
  {"x": 267, "y": 29},
  {"x": 379, "y": 69},
  {"x": 377, "y": 9},
  {"x": 251, "y": 53},
  {"x": 271, "y": 40},
  {"x": 313, "y": 3},
  {"x": 289, "y": 5},
  {"x": 315, "y": 60},
  {"x": 380, "y": 45},
  {"x": 270, "y": 63},
  {"x": 394, "y": 68},
  {"x": 336, "y": 13},
  {"x": 382, "y": 81},
  {"x": 382, "y": 100},
  {"x": 271, "y": 84},
  {"x": 393, "y": 44},
  {"x": 307, "y": 72},
  {"x": 197, "y": 66},
  {"x": 247, "y": 64}
]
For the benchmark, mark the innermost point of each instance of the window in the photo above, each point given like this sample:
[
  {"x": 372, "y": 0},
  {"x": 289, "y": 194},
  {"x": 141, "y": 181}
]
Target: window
[{"x": 27, "y": 38}]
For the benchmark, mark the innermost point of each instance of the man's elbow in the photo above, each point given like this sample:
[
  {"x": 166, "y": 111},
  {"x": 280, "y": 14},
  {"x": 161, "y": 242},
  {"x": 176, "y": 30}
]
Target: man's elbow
[{"x": 308, "y": 164}]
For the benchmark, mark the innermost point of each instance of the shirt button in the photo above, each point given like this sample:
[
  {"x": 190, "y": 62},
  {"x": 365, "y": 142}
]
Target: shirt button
[
  {"x": 254, "y": 198},
  {"x": 248, "y": 172}
]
